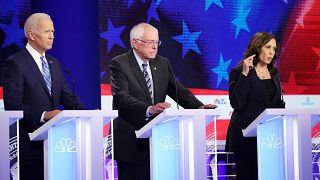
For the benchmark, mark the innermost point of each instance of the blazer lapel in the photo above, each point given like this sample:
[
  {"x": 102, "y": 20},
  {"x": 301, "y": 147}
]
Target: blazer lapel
[
  {"x": 34, "y": 68},
  {"x": 276, "y": 97},
  {"x": 138, "y": 73}
]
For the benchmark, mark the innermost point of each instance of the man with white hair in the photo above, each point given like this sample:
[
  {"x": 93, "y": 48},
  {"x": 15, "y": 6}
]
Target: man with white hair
[
  {"x": 140, "y": 81},
  {"x": 33, "y": 82}
]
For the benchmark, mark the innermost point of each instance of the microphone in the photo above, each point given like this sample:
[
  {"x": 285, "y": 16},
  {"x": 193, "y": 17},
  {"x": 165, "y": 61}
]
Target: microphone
[
  {"x": 176, "y": 88},
  {"x": 281, "y": 92},
  {"x": 67, "y": 71}
]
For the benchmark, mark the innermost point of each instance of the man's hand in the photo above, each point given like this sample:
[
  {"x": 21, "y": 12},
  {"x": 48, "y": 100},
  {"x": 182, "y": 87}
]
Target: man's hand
[
  {"x": 50, "y": 114},
  {"x": 208, "y": 106},
  {"x": 158, "y": 108}
]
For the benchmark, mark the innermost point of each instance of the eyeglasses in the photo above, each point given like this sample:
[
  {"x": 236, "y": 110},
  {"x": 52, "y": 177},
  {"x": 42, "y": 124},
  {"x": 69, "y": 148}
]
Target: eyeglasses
[{"x": 151, "y": 42}]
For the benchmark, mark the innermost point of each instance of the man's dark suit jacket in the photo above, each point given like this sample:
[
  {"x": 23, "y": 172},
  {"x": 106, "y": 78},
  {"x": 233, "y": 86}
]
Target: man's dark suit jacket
[
  {"x": 131, "y": 98},
  {"x": 25, "y": 89},
  {"x": 249, "y": 98}
]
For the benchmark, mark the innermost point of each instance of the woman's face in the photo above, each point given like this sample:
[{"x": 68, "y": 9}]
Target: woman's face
[{"x": 267, "y": 52}]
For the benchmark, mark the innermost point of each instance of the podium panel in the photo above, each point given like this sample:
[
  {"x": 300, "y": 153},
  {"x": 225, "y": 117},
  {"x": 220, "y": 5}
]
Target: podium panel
[
  {"x": 178, "y": 143},
  {"x": 73, "y": 144},
  {"x": 284, "y": 143},
  {"x": 9, "y": 144}
]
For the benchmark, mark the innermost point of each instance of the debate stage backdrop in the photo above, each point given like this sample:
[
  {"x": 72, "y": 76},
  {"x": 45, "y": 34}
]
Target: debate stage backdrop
[{"x": 203, "y": 40}]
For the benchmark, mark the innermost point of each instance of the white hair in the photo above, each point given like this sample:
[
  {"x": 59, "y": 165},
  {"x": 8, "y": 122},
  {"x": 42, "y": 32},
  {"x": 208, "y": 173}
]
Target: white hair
[
  {"x": 138, "y": 30},
  {"x": 31, "y": 22}
]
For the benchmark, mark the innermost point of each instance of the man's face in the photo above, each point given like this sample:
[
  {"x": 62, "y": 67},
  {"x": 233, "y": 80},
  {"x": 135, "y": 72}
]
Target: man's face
[
  {"x": 42, "y": 37},
  {"x": 147, "y": 46}
]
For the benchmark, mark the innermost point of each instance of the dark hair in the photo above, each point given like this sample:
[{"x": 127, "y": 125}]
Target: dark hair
[{"x": 257, "y": 41}]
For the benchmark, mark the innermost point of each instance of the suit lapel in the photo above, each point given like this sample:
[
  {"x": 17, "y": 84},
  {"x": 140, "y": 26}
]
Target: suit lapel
[
  {"x": 138, "y": 73},
  {"x": 155, "y": 78},
  {"x": 35, "y": 69}
]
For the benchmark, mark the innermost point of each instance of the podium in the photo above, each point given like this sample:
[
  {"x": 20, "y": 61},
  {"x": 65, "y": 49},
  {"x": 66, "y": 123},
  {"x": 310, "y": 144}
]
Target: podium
[
  {"x": 73, "y": 144},
  {"x": 284, "y": 143},
  {"x": 178, "y": 143},
  {"x": 7, "y": 118}
]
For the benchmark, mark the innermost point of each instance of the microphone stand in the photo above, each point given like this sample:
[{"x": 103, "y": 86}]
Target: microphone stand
[{"x": 73, "y": 84}]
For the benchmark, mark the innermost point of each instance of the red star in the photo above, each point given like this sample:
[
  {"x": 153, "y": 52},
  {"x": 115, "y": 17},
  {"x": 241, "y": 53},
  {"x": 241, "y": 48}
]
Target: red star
[
  {"x": 291, "y": 87},
  {"x": 317, "y": 51}
]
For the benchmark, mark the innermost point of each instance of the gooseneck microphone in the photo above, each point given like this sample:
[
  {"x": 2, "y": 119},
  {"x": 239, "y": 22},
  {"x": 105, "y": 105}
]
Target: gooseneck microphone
[
  {"x": 67, "y": 71},
  {"x": 176, "y": 88},
  {"x": 177, "y": 97}
]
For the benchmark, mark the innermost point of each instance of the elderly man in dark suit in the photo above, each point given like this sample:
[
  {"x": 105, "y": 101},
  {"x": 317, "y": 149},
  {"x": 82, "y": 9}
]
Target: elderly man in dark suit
[
  {"x": 34, "y": 83},
  {"x": 140, "y": 81}
]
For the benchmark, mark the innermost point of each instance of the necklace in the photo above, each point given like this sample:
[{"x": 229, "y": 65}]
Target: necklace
[{"x": 263, "y": 74}]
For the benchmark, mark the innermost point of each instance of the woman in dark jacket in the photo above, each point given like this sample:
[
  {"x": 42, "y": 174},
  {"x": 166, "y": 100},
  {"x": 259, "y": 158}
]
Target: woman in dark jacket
[{"x": 254, "y": 85}]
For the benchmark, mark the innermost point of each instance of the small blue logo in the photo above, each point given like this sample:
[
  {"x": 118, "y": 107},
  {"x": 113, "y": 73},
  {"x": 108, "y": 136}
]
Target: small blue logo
[{"x": 307, "y": 102}]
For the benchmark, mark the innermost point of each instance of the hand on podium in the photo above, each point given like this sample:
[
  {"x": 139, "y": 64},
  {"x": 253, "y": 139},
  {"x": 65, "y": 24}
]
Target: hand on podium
[
  {"x": 50, "y": 114},
  {"x": 208, "y": 106},
  {"x": 158, "y": 108}
]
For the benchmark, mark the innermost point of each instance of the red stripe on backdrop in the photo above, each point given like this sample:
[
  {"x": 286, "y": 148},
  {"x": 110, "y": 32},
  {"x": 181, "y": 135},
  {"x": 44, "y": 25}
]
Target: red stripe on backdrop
[
  {"x": 1, "y": 93},
  {"x": 106, "y": 90},
  {"x": 207, "y": 92}
]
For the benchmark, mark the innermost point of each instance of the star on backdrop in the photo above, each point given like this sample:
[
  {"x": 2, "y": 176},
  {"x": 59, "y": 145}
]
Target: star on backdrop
[
  {"x": 292, "y": 87},
  {"x": 152, "y": 11},
  {"x": 188, "y": 40},
  {"x": 317, "y": 51},
  {"x": 14, "y": 34},
  {"x": 112, "y": 35},
  {"x": 306, "y": 7},
  {"x": 241, "y": 21},
  {"x": 222, "y": 70},
  {"x": 209, "y": 3}
]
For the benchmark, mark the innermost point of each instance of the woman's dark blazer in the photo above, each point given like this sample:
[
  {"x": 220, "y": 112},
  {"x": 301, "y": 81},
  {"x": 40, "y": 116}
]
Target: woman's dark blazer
[{"x": 248, "y": 98}]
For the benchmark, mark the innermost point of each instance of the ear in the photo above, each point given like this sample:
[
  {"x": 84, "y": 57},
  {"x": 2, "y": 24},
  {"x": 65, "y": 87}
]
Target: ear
[
  {"x": 31, "y": 35},
  {"x": 134, "y": 43}
]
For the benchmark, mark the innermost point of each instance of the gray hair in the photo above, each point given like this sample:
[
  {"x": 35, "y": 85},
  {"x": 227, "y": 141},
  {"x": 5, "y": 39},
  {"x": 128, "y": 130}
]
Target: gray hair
[
  {"x": 32, "y": 21},
  {"x": 138, "y": 30}
]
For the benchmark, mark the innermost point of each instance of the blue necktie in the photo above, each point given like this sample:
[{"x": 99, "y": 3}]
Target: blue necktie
[
  {"x": 46, "y": 73},
  {"x": 147, "y": 78}
]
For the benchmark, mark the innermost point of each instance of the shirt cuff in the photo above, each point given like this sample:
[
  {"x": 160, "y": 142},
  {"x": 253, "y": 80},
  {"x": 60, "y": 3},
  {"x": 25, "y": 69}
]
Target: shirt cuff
[
  {"x": 42, "y": 117},
  {"x": 148, "y": 114}
]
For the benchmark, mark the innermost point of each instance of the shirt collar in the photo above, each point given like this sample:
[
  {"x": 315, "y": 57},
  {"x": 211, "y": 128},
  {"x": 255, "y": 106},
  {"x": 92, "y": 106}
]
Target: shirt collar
[
  {"x": 139, "y": 60},
  {"x": 35, "y": 54}
]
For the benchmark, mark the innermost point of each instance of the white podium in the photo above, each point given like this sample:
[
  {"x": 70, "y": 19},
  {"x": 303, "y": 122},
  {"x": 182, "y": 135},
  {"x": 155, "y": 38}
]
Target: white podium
[
  {"x": 73, "y": 144},
  {"x": 6, "y": 119},
  {"x": 178, "y": 143},
  {"x": 284, "y": 143}
]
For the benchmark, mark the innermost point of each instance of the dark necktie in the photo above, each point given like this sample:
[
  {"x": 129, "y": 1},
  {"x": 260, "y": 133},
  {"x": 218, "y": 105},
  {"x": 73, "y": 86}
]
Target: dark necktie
[
  {"x": 46, "y": 73},
  {"x": 147, "y": 78}
]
